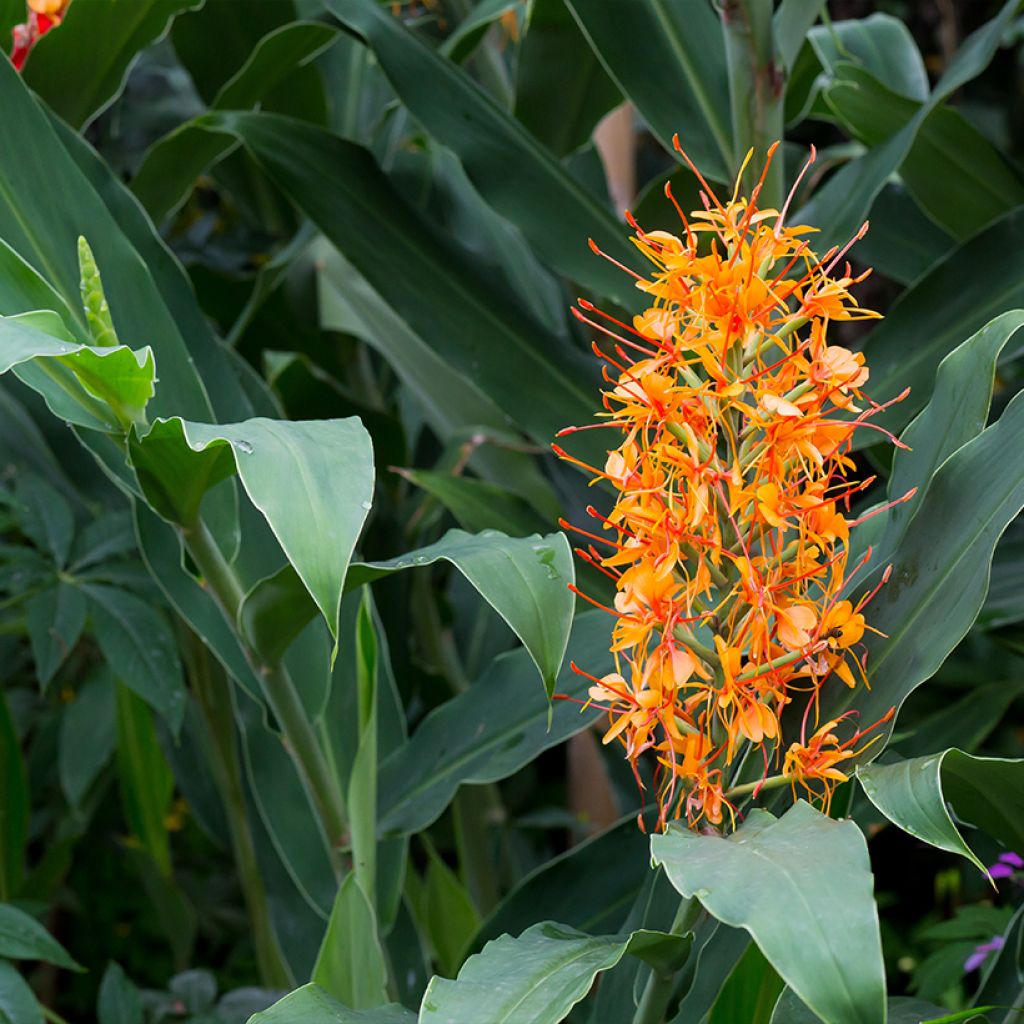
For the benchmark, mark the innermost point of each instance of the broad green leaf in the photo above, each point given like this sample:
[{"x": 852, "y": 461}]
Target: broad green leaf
[
  {"x": 24, "y": 938},
  {"x": 956, "y": 413},
  {"x": 14, "y": 807},
  {"x": 351, "y": 965},
  {"x": 451, "y": 402},
  {"x": 439, "y": 292},
  {"x": 922, "y": 795},
  {"x": 589, "y": 887},
  {"x": 958, "y": 296},
  {"x": 146, "y": 780},
  {"x": 102, "y": 389},
  {"x": 140, "y": 649},
  {"x": 79, "y": 70},
  {"x": 119, "y": 1001},
  {"x": 311, "y": 480},
  {"x": 17, "y": 1002},
  {"x": 46, "y": 233},
  {"x": 538, "y": 977},
  {"x": 717, "y": 950},
  {"x": 956, "y": 175},
  {"x": 311, "y": 1005},
  {"x": 556, "y": 60},
  {"x": 903, "y": 243},
  {"x": 941, "y": 568},
  {"x": 55, "y": 618},
  {"x": 489, "y": 732},
  {"x": 90, "y": 714},
  {"x": 839, "y": 208},
  {"x": 670, "y": 62},
  {"x": 881, "y": 44},
  {"x": 901, "y": 1010},
  {"x": 775, "y": 877},
  {"x": 171, "y": 165},
  {"x": 524, "y": 579},
  {"x": 554, "y": 212}
]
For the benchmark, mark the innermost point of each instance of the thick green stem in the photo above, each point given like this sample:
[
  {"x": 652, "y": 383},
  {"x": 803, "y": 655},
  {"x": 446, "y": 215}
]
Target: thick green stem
[
  {"x": 756, "y": 86},
  {"x": 299, "y": 738},
  {"x": 658, "y": 990},
  {"x": 759, "y": 785},
  {"x": 214, "y": 696}
]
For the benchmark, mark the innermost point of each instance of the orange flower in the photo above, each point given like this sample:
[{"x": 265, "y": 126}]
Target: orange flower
[{"x": 732, "y": 415}]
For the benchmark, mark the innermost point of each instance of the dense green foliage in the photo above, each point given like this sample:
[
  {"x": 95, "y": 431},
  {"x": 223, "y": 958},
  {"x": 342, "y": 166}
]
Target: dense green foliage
[{"x": 284, "y": 335}]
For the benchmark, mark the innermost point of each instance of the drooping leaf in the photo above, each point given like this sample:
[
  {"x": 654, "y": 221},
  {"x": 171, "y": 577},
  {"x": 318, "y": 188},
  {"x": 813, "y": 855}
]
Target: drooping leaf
[
  {"x": 538, "y": 977},
  {"x": 524, "y": 579},
  {"x": 79, "y": 70},
  {"x": 311, "y": 480},
  {"x": 921, "y": 796},
  {"x": 775, "y": 877},
  {"x": 24, "y": 938}
]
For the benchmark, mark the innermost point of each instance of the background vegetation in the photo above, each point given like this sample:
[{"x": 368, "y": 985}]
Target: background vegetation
[{"x": 349, "y": 234}]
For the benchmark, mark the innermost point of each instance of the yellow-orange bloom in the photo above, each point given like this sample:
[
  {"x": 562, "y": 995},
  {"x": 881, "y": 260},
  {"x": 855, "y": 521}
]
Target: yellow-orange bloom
[{"x": 727, "y": 538}]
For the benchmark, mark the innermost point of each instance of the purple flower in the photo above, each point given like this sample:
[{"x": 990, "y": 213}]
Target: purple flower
[
  {"x": 980, "y": 954},
  {"x": 1007, "y": 865}
]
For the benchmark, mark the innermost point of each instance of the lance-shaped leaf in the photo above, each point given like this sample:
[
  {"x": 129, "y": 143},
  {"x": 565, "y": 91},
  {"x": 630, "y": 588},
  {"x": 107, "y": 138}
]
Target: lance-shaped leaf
[
  {"x": 312, "y": 1005},
  {"x": 540, "y": 976},
  {"x": 99, "y": 388},
  {"x": 842, "y": 204},
  {"x": 923, "y": 794},
  {"x": 941, "y": 569},
  {"x": 530, "y": 374},
  {"x": 519, "y": 177},
  {"x": 778, "y": 878},
  {"x": 24, "y": 938},
  {"x": 526, "y": 580},
  {"x": 311, "y": 480},
  {"x": 489, "y": 732},
  {"x": 80, "y": 69},
  {"x": 957, "y": 297},
  {"x": 172, "y": 164},
  {"x": 670, "y": 61}
]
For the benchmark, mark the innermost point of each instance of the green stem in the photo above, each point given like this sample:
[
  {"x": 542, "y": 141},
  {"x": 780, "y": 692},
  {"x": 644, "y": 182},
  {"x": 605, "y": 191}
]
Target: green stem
[
  {"x": 299, "y": 738},
  {"x": 214, "y": 696},
  {"x": 658, "y": 990},
  {"x": 756, "y": 86},
  {"x": 772, "y": 782}
]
